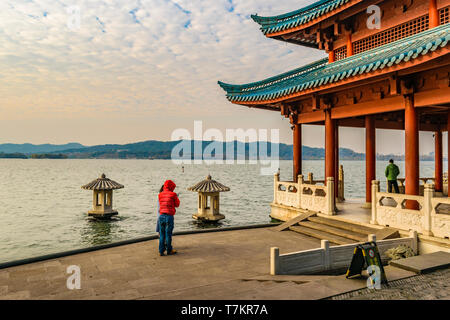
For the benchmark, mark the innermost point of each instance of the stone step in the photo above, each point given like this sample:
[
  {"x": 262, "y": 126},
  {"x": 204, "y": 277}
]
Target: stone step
[
  {"x": 359, "y": 237},
  {"x": 322, "y": 235},
  {"x": 293, "y": 221},
  {"x": 344, "y": 225}
]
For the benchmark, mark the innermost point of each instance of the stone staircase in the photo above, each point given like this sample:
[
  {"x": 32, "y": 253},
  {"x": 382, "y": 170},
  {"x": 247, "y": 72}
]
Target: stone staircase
[{"x": 335, "y": 231}]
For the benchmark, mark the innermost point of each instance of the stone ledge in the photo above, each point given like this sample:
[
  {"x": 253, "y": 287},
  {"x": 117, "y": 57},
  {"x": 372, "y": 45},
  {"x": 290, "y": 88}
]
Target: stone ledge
[{"x": 424, "y": 263}]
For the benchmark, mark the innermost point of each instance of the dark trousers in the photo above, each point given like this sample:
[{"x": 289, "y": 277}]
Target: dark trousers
[
  {"x": 393, "y": 183},
  {"x": 165, "y": 233}
]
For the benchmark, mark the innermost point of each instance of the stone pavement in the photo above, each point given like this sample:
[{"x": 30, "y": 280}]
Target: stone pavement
[
  {"x": 213, "y": 266},
  {"x": 205, "y": 262},
  {"x": 432, "y": 286}
]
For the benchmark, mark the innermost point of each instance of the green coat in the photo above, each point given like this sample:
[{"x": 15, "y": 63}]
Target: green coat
[{"x": 392, "y": 172}]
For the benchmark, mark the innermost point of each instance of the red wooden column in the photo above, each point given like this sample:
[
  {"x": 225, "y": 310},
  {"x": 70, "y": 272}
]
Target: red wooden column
[
  {"x": 434, "y": 14},
  {"x": 330, "y": 149},
  {"x": 411, "y": 149},
  {"x": 448, "y": 144},
  {"x": 331, "y": 56},
  {"x": 370, "y": 157},
  {"x": 336, "y": 159},
  {"x": 349, "y": 45},
  {"x": 438, "y": 161},
  {"x": 297, "y": 151}
]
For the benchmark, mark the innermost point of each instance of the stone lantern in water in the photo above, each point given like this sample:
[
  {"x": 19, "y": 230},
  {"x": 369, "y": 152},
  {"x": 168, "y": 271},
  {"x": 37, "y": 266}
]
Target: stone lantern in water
[
  {"x": 103, "y": 197},
  {"x": 208, "y": 199}
]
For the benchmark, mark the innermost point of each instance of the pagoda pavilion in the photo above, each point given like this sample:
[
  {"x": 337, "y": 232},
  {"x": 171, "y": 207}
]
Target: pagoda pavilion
[{"x": 391, "y": 76}]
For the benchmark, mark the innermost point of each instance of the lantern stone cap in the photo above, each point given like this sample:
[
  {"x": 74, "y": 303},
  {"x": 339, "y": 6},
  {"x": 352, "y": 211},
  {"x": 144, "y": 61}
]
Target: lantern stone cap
[
  {"x": 102, "y": 183},
  {"x": 209, "y": 185}
]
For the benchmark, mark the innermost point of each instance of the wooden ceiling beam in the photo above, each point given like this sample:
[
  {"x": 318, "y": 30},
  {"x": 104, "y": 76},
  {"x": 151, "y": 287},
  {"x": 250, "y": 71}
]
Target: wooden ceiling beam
[
  {"x": 379, "y": 124},
  {"x": 432, "y": 98},
  {"x": 367, "y": 108},
  {"x": 291, "y": 35},
  {"x": 311, "y": 117}
]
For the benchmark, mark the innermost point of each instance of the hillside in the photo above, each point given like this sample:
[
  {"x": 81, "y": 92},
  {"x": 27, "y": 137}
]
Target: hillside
[
  {"x": 153, "y": 149},
  {"x": 163, "y": 150}
]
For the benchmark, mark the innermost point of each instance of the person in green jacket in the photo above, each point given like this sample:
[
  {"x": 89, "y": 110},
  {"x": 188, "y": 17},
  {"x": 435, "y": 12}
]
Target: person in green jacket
[{"x": 392, "y": 172}]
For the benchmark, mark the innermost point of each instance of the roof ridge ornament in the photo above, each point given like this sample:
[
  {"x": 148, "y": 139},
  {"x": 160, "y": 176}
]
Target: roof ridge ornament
[
  {"x": 209, "y": 185},
  {"x": 103, "y": 184}
]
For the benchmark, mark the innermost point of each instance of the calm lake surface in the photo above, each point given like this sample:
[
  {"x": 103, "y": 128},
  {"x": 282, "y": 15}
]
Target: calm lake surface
[{"x": 43, "y": 208}]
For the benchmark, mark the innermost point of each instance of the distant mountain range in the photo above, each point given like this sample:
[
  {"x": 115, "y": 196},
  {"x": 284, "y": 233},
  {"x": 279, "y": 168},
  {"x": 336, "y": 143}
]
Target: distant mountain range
[
  {"x": 28, "y": 148},
  {"x": 163, "y": 150}
]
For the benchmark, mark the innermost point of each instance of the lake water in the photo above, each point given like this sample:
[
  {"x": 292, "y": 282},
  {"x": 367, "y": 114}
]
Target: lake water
[{"x": 43, "y": 208}]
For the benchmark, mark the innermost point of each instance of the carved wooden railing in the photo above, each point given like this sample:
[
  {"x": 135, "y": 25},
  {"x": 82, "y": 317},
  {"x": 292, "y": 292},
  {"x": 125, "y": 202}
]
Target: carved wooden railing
[
  {"x": 315, "y": 197},
  {"x": 425, "y": 214},
  {"x": 304, "y": 195},
  {"x": 340, "y": 196},
  {"x": 440, "y": 217},
  {"x": 286, "y": 193}
]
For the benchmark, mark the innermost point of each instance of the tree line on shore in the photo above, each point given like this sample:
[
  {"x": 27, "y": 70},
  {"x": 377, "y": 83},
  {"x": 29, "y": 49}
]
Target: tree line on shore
[{"x": 18, "y": 155}]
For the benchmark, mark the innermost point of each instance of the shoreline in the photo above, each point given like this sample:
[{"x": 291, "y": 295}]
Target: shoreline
[{"x": 62, "y": 254}]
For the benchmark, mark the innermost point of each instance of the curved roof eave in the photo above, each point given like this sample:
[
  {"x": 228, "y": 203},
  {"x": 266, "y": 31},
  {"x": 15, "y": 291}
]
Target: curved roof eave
[
  {"x": 298, "y": 17},
  {"x": 308, "y": 77}
]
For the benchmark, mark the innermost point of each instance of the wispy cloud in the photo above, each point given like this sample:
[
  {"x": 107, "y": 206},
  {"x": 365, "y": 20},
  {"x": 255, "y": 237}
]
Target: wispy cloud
[
  {"x": 144, "y": 68},
  {"x": 135, "y": 58}
]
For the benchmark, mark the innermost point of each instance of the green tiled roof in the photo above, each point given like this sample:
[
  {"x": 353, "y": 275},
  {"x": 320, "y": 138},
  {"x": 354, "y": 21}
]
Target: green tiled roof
[
  {"x": 322, "y": 73},
  {"x": 296, "y": 18}
]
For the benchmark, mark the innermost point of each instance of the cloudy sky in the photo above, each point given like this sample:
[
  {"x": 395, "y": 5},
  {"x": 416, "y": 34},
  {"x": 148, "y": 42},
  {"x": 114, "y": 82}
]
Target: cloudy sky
[{"x": 131, "y": 70}]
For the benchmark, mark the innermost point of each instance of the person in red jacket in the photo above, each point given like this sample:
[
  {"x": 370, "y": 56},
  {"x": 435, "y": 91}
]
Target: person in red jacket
[{"x": 168, "y": 201}]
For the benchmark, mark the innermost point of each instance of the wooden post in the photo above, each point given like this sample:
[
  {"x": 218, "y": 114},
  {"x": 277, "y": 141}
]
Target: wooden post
[
  {"x": 434, "y": 14},
  {"x": 415, "y": 245},
  {"x": 427, "y": 206},
  {"x": 299, "y": 190},
  {"x": 375, "y": 190},
  {"x": 341, "y": 183},
  {"x": 349, "y": 45},
  {"x": 330, "y": 159},
  {"x": 412, "y": 150},
  {"x": 310, "y": 177},
  {"x": 276, "y": 179},
  {"x": 331, "y": 56},
  {"x": 370, "y": 157},
  {"x": 325, "y": 245},
  {"x": 438, "y": 161},
  {"x": 297, "y": 151},
  {"x": 274, "y": 261},
  {"x": 331, "y": 198}
]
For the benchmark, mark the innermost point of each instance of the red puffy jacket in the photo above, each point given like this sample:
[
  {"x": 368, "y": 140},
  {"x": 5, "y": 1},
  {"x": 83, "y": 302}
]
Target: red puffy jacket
[{"x": 168, "y": 200}]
